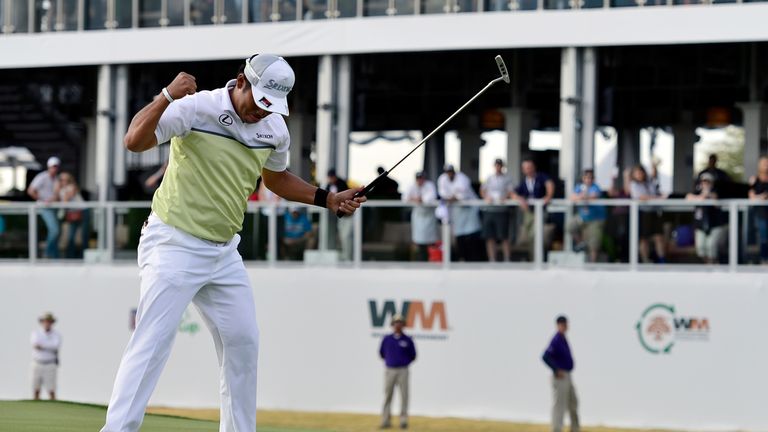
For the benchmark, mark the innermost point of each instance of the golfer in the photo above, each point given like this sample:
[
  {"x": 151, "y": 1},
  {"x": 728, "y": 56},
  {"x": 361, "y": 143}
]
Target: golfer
[{"x": 222, "y": 141}]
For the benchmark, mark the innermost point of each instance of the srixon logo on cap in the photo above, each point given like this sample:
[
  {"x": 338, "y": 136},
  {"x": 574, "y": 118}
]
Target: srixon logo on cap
[
  {"x": 264, "y": 101},
  {"x": 273, "y": 85}
]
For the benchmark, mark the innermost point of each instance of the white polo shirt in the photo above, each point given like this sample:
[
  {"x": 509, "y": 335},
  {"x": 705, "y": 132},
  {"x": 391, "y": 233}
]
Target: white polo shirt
[
  {"x": 49, "y": 341},
  {"x": 45, "y": 186},
  {"x": 215, "y": 162}
]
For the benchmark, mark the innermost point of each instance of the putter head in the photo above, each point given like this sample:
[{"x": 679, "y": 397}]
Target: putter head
[{"x": 502, "y": 69}]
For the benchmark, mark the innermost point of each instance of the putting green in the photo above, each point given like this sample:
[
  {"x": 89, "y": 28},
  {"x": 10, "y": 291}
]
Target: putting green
[{"x": 45, "y": 416}]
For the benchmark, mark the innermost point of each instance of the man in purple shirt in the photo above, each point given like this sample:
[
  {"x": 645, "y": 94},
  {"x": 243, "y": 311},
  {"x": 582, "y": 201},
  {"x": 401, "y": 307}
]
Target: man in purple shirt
[
  {"x": 398, "y": 352},
  {"x": 558, "y": 358}
]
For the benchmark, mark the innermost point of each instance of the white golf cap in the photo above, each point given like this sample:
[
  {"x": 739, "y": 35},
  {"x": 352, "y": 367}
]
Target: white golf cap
[
  {"x": 271, "y": 79},
  {"x": 54, "y": 161}
]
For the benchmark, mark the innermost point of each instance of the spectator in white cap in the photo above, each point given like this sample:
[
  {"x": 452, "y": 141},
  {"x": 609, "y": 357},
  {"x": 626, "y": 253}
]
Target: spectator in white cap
[
  {"x": 43, "y": 190},
  {"x": 424, "y": 228},
  {"x": 455, "y": 187},
  {"x": 222, "y": 142}
]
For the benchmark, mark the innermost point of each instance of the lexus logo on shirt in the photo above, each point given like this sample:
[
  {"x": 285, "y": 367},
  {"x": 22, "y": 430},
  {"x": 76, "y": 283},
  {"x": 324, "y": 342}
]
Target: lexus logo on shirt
[{"x": 226, "y": 120}]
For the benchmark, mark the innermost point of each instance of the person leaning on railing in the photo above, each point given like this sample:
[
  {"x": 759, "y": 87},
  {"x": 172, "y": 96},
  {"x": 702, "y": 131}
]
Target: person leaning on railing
[
  {"x": 758, "y": 190},
  {"x": 587, "y": 226},
  {"x": 708, "y": 220},
  {"x": 534, "y": 185},
  {"x": 67, "y": 190},
  {"x": 644, "y": 189}
]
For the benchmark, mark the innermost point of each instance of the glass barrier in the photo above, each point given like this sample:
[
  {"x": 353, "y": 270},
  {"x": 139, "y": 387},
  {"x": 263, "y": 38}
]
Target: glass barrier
[
  {"x": 589, "y": 4},
  {"x": 64, "y": 15},
  {"x": 201, "y": 12},
  {"x": 298, "y": 231},
  {"x": 346, "y": 8},
  {"x": 259, "y": 11},
  {"x": 559, "y": 4},
  {"x": 753, "y": 233},
  {"x": 388, "y": 7},
  {"x": 434, "y": 6},
  {"x": 150, "y": 13},
  {"x": 127, "y": 231},
  {"x": 56, "y": 15},
  {"x": 232, "y": 12},
  {"x": 14, "y": 234},
  {"x": 174, "y": 13},
  {"x": 19, "y": 16},
  {"x": 388, "y": 233},
  {"x": 466, "y": 5},
  {"x": 314, "y": 9},
  {"x": 123, "y": 14},
  {"x": 96, "y": 15},
  {"x": 510, "y": 5}
]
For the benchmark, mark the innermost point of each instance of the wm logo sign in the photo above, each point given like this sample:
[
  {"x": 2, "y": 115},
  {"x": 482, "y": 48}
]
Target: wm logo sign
[{"x": 418, "y": 314}]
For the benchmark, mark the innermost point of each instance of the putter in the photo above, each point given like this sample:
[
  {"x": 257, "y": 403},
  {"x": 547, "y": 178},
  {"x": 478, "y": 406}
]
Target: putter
[{"x": 504, "y": 77}]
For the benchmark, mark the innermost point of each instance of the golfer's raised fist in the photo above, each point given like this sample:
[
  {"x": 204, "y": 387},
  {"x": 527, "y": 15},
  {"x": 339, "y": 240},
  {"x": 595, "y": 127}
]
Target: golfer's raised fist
[{"x": 184, "y": 84}]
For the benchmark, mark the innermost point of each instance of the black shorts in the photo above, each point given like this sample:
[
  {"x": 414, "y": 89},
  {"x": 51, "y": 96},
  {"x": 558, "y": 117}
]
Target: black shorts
[
  {"x": 650, "y": 223},
  {"x": 496, "y": 225}
]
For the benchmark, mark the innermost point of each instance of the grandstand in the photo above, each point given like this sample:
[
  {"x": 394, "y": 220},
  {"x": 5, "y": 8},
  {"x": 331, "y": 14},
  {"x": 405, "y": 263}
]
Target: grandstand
[{"x": 603, "y": 84}]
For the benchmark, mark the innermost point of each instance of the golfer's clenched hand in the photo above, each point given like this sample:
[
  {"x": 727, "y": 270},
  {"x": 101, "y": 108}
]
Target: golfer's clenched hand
[
  {"x": 184, "y": 84},
  {"x": 344, "y": 201}
]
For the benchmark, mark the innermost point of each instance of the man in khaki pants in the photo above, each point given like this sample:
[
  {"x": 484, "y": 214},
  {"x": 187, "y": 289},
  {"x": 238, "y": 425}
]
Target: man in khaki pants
[
  {"x": 46, "y": 343},
  {"x": 558, "y": 358},
  {"x": 398, "y": 352}
]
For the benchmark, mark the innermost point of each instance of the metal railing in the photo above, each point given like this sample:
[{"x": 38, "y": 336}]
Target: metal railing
[
  {"x": 32, "y": 16},
  {"x": 382, "y": 232}
]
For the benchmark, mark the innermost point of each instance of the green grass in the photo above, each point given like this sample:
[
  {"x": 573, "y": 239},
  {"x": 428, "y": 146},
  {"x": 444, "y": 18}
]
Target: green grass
[{"x": 46, "y": 416}]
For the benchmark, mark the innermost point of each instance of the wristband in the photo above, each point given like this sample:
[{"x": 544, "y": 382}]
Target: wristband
[
  {"x": 321, "y": 198},
  {"x": 167, "y": 95}
]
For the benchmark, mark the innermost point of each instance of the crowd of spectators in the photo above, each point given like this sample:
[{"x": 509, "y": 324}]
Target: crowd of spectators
[
  {"x": 698, "y": 233},
  {"x": 502, "y": 227}
]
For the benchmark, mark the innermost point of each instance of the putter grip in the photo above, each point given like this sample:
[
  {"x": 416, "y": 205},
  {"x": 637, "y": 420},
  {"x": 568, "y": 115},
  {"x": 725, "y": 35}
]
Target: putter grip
[{"x": 366, "y": 190}]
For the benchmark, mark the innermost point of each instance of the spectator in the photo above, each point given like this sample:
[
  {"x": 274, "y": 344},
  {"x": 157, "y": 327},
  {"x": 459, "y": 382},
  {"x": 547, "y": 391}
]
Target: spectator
[
  {"x": 398, "y": 352},
  {"x": 587, "y": 226},
  {"x": 558, "y": 357},
  {"x": 495, "y": 190},
  {"x": 453, "y": 188},
  {"x": 642, "y": 188},
  {"x": 709, "y": 220},
  {"x": 153, "y": 181},
  {"x": 344, "y": 225},
  {"x": 720, "y": 177},
  {"x": 386, "y": 190},
  {"x": 269, "y": 199},
  {"x": 424, "y": 229},
  {"x": 297, "y": 233},
  {"x": 68, "y": 191},
  {"x": 534, "y": 185},
  {"x": 43, "y": 190},
  {"x": 758, "y": 191},
  {"x": 46, "y": 343}
]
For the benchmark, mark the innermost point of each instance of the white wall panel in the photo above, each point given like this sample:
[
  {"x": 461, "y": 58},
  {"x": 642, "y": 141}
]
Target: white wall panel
[{"x": 319, "y": 349}]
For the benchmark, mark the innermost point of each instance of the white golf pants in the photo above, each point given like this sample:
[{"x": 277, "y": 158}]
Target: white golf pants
[{"x": 177, "y": 268}]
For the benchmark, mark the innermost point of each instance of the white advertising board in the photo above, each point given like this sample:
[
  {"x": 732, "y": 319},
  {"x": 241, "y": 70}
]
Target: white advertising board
[{"x": 666, "y": 349}]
